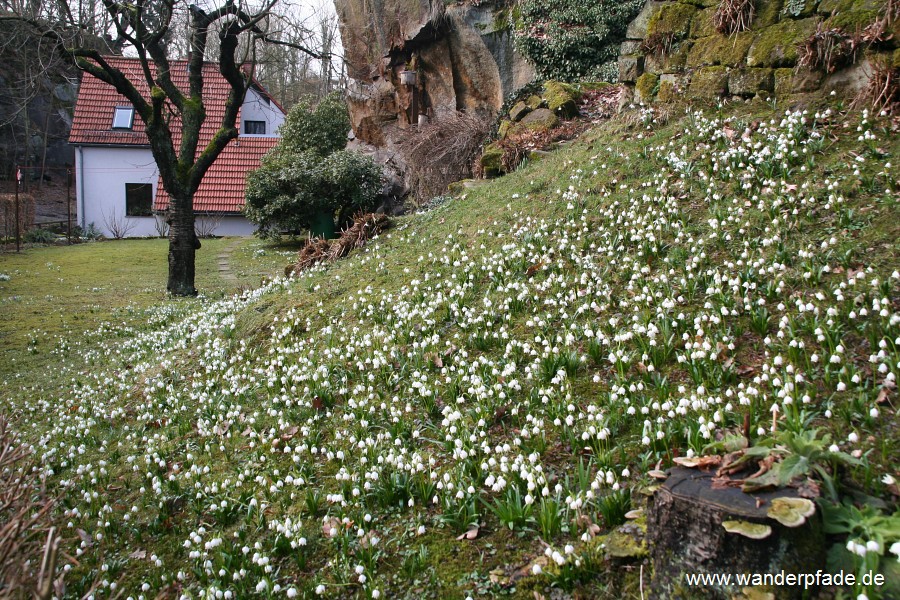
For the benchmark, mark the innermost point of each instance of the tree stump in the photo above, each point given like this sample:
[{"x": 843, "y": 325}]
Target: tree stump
[{"x": 686, "y": 536}]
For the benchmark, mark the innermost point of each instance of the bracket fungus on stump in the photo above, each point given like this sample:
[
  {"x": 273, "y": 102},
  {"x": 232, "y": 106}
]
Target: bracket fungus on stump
[{"x": 696, "y": 526}]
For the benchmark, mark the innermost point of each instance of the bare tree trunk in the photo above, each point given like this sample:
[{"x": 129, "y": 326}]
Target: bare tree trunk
[{"x": 183, "y": 245}]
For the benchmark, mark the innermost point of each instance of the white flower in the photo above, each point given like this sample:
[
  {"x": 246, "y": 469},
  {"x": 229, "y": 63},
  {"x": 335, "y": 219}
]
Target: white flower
[
  {"x": 320, "y": 589},
  {"x": 536, "y": 569},
  {"x": 895, "y": 549},
  {"x": 888, "y": 479}
]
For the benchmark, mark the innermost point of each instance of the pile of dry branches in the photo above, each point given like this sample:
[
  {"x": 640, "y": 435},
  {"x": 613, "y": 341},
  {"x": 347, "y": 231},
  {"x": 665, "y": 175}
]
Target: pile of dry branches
[
  {"x": 441, "y": 152},
  {"x": 316, "y": 250},
  {"x": 29, "y": 545},
  {"x": 733, "y": 16}
]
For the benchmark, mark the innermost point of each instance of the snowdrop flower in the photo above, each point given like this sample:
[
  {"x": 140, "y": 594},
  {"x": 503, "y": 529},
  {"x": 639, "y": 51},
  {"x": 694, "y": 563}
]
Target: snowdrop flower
[
  {"x": 888, "y": 479},
  {"x": 537, "y": 570},
  {"x": 895, "y": 549}
]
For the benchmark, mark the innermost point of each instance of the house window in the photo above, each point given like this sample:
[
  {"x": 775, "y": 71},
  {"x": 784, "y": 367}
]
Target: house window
[
  {"x": 138, "y": 199},
  {"x": 123, "y": 117},
  {"x": 255, "y": 127}
]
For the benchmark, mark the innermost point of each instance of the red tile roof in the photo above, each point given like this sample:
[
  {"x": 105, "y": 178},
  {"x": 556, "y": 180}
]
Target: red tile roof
[
  {"x": 223, "y": 186},
  {"x": 222, "y": 189}
]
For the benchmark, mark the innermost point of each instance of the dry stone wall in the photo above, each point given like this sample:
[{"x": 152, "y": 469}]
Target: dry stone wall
[{"x": 673, "y": 50}]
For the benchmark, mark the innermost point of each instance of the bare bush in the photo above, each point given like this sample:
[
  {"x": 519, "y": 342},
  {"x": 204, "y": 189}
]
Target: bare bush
[
  {"x": 207, "y": 223},
  {"x": 733, "y": 16},
  {"x": 118, "y": 226},
  {"x": 29, "y": 544},
  {"x": 442, "y": 152},
  {"x": 162, "y": 226}
]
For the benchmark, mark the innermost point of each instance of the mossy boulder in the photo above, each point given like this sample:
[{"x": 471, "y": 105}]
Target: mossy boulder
[
  {"x": 645, "y": 87},
  {"x": 534, "y": 101},
  {"x": 672, "y": 18},
  {"x": 719, "y": 49},
  {"x": 768, "y": 12},
  {"x": 503, "y": 129},
  {"x": 519, "y": 110},
  {"x": 561, "y": 98},
  {"x": 709, "y": 82},
  {"x": 667, "y": 91},
  {"x": 702, "y": 23},
  {"x": 776, "y": 45},
  {"x": 542, "y": 119},
  {"x": 492, "y": 160},
  {"x": 750, "y": 81}
]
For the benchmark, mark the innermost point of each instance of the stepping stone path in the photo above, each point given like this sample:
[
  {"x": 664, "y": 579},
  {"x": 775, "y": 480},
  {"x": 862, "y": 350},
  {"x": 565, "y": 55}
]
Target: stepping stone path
[{"x": 224, "y": 264}]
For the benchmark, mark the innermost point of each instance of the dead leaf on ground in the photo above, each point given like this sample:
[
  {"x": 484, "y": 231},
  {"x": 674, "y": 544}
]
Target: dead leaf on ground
[
  {"x": 469, "y": 535},
  {"x": 138, "y": 554}
]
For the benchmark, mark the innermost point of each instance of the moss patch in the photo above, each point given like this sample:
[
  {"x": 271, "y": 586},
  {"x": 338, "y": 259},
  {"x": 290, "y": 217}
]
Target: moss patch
[
  {"x": 767, "y": 13},
  {"x": 720, "y": 50},
  {"x": 776, "y": 46},
  {"x": 672, "y": 18},
  {"x": 646, "y": 86},
  {"x": 702, "y": 23},
  {"x": 709, "y": 82},
  {"x": 667, "y": 92},
  {"x": 561, "y": 98}
]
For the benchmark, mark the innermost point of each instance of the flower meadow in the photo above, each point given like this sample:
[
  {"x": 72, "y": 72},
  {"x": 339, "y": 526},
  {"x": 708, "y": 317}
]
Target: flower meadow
[{"x": 469, "y": 404}]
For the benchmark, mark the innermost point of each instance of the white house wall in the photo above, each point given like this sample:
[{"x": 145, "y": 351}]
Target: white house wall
[
  {"x": 255, "y": 108},
  {"x": 103, "y": 173}
]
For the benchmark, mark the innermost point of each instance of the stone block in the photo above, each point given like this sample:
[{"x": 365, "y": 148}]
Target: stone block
[
  {"x": 776, "y": 45},
  {"x": 750, "y": 81},
  {"x": 709, "y": 83},
  {"x": 637, "y": 29},
  {"x": 630, "y": 68},
  {"x": 519, "y": 110},
  {"x": 718, "y": 49},
  {"x": 672, "y": 18},
  {"x": 645, "y": 87}
]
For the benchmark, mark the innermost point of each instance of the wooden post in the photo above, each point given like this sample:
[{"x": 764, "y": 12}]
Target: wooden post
[
  {"x": 18, "y": 226},
  {"x": 69, "y": 204}
]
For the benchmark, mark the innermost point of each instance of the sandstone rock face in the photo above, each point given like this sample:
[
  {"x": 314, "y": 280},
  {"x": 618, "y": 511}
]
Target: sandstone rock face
[{"x": 463, "y": 56}]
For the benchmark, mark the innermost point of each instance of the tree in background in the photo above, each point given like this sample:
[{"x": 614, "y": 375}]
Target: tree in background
[
  {"x": 307, "y": 177},
  {"x": 145, "y": 26}
]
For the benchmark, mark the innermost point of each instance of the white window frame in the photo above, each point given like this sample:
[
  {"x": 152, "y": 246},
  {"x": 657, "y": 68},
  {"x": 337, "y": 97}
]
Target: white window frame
[{"x": 123, "y": 113}]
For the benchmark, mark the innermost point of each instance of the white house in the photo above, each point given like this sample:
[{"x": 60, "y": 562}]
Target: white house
[{"x": 117, "y": 182}]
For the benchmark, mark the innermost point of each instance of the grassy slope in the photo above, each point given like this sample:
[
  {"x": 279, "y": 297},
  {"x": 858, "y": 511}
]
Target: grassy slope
[{"x": 390, "y": 372}]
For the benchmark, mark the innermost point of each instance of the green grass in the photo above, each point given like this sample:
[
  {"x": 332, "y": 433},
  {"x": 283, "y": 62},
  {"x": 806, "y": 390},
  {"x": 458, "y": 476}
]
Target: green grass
[{"x": 59, "y": 297}]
